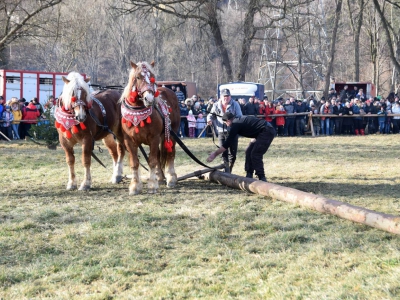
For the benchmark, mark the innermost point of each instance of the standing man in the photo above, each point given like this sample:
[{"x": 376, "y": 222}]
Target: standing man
[
  {"x": 225, "y": 104},
  {"x": 250, "y": 108},
  {"x": 262, "y": 134},
  {"x": 179, "y": 94}
]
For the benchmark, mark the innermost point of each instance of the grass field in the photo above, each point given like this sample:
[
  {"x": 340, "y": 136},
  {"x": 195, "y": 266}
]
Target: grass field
[{"x": 200, "y": 240}]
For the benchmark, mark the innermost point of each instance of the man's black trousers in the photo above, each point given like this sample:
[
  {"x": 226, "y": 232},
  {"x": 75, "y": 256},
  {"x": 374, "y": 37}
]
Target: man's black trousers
[{"x": 256, "y": 150}]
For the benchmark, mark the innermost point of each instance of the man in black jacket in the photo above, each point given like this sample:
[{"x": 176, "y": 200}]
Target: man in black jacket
[
  {"x": 250, "y": 108},
  {"x": 301, "y": 107},
  {"x": 262, "y": 134}
]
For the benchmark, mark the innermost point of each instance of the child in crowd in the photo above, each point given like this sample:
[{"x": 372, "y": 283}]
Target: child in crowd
[
  {"x": 315, "y": 120},
  {"x": 7, "y": 118},
  {"x": 17, "y": 114},
  {"x": 200, "y": 124},
  {"x": 280, "y": 121},
  {"x": 192, "y": 124},
  {"x": 382, "y": 119}
]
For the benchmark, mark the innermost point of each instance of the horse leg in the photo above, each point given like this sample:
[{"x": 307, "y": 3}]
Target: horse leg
[
  {"x": 154, "y": 163},
  {"x": 170, "y": 173},
  {"x": 136, "y": 185},
  {"x": 86, "y": 160},
  {"x": 159, "y": 171},
  {"x": 117, "y": 153},
  {"x": 70, "y": 159}
]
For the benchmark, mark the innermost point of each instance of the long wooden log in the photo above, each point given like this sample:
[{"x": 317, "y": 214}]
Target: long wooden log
[
  {"x": 386, "y": 222},
  {"x": 200, "y": 172}
]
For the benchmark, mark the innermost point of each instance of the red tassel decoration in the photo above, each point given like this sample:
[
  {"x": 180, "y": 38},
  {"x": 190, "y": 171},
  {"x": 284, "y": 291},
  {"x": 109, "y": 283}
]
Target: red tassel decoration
[
  {"x": 170, "y": 109},
  {"x": 83, "y": 127},
  {"x": 57, "y": 124},
  {"x": 156, "y": 94},
  {"x": 123, "y": 120},
  {"x": 73, "y": 99},
  {"x": 148, "y": 120},
  {"x": 168, "y": 145},
  {"x": 68, "y": 133},
  {"x": 132, "y": 97},
  {"x": 62, "y": 128},
  {"x": 129, "y": 124},
  {"x": 136, "y": 129},
  {"x": 75, "y": 129},
  {"x": 141, "y": 124},
  {"x": 152, "y": 79}
]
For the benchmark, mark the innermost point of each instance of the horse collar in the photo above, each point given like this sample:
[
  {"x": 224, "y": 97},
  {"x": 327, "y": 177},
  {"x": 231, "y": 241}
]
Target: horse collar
[{"x": 135, "y": 115}]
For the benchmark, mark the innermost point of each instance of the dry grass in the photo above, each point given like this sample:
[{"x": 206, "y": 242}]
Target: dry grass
[{"x": 200, "y": 240}]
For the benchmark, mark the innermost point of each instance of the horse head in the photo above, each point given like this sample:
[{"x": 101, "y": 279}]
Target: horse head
[
  {"x": 75, "y": 96},
  {"x": 141, "y": 85}
]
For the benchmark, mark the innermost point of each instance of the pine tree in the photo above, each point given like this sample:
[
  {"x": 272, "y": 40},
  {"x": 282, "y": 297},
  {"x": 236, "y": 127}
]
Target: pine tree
[{"x": 44, "y": 132}]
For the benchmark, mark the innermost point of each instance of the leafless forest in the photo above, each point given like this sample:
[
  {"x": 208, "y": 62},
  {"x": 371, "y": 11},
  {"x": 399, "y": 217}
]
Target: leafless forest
[{"x": 286, "y": 44}]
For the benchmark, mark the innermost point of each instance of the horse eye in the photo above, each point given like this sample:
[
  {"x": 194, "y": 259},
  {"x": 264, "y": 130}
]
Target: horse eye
[{"x": 138, "y": 77}]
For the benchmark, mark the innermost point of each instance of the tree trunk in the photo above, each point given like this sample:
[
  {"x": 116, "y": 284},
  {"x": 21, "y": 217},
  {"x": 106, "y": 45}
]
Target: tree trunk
[
  {"x": 249, "y": 32},
  {"x": 333, "y": 46},
  {"x": 386, "y": 222}
]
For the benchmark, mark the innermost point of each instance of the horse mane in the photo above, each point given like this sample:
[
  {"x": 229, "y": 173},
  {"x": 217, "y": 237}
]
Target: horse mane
[
  {"x": 132, "y": 78},
  {"x": 76, "y": 80}
]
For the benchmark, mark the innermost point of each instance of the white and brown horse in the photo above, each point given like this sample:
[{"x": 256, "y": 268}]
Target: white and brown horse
[
  {"x": 148, "y": 115},
  {"x": 83, "y": 118}
]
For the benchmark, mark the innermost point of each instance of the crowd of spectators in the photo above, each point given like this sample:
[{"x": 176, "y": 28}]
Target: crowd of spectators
[{"x": 17, "y": 116}]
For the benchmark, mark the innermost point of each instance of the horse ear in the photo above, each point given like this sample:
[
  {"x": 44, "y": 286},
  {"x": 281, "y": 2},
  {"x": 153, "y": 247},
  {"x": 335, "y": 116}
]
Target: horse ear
[
  {"x": 133, "y": 65},
  {"x": 87, "y": 79},
  {"x": 152, "y": 64},
  {"x": 65, "y": 79}
]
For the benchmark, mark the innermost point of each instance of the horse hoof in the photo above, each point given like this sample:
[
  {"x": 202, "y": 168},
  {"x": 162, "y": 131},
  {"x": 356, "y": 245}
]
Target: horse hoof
[
  {"x": 71, "y": 187},
  {"x": 151, "y": 191},
  {"x": 116, "y": 179},
  {"x": 133, "y": 193},
  {"x": 84, "y": 188},
  {"x": 171, "y": 184}
]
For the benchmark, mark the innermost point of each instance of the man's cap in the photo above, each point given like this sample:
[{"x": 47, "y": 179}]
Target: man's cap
[
  {"x": 1, "y": 98},
  {"x": 228, "y": 116},
  {"x": 225, "y": 92},
  {"x": 8, "y": 107}
]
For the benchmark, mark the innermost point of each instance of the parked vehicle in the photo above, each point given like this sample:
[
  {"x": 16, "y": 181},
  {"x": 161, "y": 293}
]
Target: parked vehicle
[
  {"x": 30, "y": 84},
  {"x": 243, "y": 89},
  {"x": 188, "y": 88}
]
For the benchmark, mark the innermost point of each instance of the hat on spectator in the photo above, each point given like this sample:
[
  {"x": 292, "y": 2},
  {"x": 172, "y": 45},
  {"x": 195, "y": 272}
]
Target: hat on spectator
[
  {"x": 225, "y": 92},
  {"x": 8, "y": 107},
  {"x": 228, "y": 116},
  {"x": 1, "y": 98}
]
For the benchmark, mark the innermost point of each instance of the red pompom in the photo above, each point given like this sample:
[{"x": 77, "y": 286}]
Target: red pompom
[
  {"x": 123, "y": 120},
  {"x": 83, "y": 127},
  {"x": 170, "y": 109},
  {"x": 148, "y": 120},
  {"x": 168, "y": 145},
  {"x": 73, "y": 99},
  {"x": 68, "y": 133},
  {"x": 129, "y": 124},
  {"x": 75, "y": 129},
  {"x": 141, "y": 124},
  {"x": 57, "y": 124},
  {"x": 62, "y": 128},
  {"x": 136, "y": 129},
  {"x": 156, "y": 94},
  {"x": 152, "y": 79}
]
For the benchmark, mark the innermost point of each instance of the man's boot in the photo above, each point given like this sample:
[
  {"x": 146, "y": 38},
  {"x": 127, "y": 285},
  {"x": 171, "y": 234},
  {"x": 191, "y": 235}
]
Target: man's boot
[
  {"x": 226, "y": 167},
  {"x": 249, "y": 175},
  {"x": 262, "y": 178}
]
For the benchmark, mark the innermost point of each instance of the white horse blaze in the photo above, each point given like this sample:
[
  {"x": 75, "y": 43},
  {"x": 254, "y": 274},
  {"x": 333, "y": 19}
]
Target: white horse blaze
[{"x": 149, "y": 98}]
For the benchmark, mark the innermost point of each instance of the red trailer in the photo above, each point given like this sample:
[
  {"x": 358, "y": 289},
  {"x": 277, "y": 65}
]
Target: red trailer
[{"x": 30, "y": 84}]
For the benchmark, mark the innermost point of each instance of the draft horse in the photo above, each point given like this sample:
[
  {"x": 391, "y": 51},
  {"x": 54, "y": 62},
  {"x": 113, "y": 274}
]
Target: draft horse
[
  {"x": 84, "y": 118},
  {"x": 148, "y": 114}
]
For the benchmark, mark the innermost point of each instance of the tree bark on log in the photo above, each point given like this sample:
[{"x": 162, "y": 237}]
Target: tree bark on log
[{"x": 386, "y": 222}]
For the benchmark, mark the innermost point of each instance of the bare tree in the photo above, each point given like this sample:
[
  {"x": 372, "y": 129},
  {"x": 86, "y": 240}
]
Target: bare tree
[{"x": 19, "y": 19}]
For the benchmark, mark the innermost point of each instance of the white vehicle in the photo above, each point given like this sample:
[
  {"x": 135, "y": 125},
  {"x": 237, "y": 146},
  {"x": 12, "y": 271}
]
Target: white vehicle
[
  {"x": 30, "y": 84},
  {"x": 243, "y": 90}
]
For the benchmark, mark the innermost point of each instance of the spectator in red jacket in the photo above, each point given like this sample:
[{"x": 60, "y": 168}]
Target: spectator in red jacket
[
  {"x": 29, "y": 117},
  {"x": 269, "y": 110},
  {"x": 280, "y": 121}
]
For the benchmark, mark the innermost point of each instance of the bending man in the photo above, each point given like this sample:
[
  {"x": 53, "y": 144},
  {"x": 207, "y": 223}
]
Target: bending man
[
  {"x": 262, "y": 134},
  {"x": 225, "y": 104}
]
